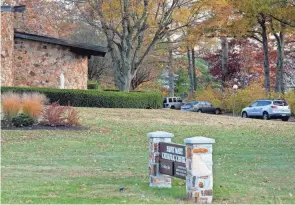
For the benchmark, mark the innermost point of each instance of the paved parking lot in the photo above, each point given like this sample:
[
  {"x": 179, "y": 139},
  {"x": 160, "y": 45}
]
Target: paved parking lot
[{"x": 292, "y": 119}]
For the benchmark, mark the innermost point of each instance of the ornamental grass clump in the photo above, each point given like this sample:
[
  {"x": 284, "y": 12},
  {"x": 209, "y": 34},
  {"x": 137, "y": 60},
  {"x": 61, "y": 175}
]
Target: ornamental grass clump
[
  {"x": 11, "y": 105},
  {"x": 56, "y": 115},
  {"x": 72, "y": 117},
  {"x": 33, "y": 104}
]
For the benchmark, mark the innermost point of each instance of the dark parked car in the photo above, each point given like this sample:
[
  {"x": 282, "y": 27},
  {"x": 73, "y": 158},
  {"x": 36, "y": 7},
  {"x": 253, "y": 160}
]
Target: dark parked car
[
  {"x": 201, "y": 106},
  {"x": 191, "y": 106}
]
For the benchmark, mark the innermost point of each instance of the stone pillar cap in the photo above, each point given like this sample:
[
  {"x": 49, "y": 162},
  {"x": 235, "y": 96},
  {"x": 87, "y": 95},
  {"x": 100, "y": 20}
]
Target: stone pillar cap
[
  {"x": 160, "y": 134},
  {"x": 199, "y": 140}
]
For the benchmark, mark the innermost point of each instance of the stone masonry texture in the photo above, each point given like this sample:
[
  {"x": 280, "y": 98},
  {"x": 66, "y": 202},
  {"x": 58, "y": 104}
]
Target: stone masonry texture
[
  {"x": 156, "y": 178},
  {"x": 199, "y": 179},
  {"x": 28, "y": 63},
  {"x": 7, "y": 36},
  {"x": 39, "y": 64}
]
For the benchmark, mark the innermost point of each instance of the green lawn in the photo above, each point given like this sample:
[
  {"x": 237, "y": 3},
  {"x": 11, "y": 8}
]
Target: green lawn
[{"x": 254, "y": 160}]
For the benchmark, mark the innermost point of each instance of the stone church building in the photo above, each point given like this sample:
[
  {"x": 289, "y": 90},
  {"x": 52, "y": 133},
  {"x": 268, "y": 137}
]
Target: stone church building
[{"x": 29, "y": 60}]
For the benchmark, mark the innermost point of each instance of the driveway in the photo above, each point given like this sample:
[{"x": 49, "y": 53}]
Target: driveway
[{"x": 291, "y": 119}]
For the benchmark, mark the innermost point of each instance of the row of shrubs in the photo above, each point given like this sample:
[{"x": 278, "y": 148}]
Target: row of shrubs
[
  {"x": 243, "y": 97},
  {"x": 96, "y": 98},
  {"x": 27, "y": 109}
]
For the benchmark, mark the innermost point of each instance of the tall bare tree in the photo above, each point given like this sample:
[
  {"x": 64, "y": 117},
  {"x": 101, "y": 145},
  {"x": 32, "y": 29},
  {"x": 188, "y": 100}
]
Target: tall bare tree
[{"x": 134, "y": 27}]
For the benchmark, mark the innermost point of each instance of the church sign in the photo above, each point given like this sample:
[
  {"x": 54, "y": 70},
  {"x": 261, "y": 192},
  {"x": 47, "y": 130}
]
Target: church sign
[{"x": 172, "y": 159}]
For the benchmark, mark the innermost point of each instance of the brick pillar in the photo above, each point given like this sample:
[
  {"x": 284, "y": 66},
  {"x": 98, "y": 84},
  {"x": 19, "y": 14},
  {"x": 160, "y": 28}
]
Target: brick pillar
[
  {"x": 199, "y": 179},
  {"x": 157, "y": 179}
]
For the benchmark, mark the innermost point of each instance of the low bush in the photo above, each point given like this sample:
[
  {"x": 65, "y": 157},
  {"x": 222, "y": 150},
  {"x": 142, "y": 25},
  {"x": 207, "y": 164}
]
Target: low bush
[
  {"x": 243, "y": 97},
  {"x": 56, "y": 115},
  {"x": 212, "y": 95},
  {"x": 22, "y": 120},
  {"x": 96, "y": 98},
  {"x": 32, "y": 104},
  {"x": 53, "y": 115},
  {"x": 11, "y": 105},
  {"x": 290, "y": 98},
  {"x": 93, "y": 85},
  {"x": 72, "y": 117}
]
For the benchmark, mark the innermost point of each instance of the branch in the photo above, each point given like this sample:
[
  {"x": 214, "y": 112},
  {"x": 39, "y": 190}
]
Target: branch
[
  {"x": 275, "y": 34},
  {"x": 282, "y": 21},
  {"x": 256, "y": 38}
]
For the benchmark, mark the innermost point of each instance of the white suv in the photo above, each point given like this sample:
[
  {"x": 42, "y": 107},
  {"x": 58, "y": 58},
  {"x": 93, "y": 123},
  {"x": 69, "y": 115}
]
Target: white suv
[
  {"x": 172, "y": 102},
  {"x": 267, "y": 109}
]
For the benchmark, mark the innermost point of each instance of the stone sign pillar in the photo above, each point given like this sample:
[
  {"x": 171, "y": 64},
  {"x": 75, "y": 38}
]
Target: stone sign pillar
[
  {"x": 199, "y": 179},
  {"x": 156, "y": 178}
]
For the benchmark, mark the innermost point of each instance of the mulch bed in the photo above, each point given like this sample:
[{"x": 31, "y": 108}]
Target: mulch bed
[{"x": 44, "y": 127}]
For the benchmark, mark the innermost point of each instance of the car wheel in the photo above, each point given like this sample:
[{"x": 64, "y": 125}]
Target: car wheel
[
  {"x": 217, "y": 112},
  {"x": 244, "y": 115},
  {"x": 265, "y": 116},
  {"x": 285, "y": 119},
  {"x": 199, "y": 111},
  {"x": 172, "y": 107}
]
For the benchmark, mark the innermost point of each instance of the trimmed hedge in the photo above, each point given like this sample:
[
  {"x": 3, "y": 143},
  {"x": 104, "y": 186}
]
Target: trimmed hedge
[
  {"x": 95, "y": 98},
  {"x": 92, "y": 86}
]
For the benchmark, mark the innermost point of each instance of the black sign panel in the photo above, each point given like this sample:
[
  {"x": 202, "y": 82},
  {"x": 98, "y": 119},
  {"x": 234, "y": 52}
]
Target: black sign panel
[{"x": 172, "y": 159}]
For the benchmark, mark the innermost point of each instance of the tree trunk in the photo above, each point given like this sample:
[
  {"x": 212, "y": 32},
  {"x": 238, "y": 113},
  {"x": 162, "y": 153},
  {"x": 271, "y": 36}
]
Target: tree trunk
[
  {"x": 224, "y": 58},
  {"x": 191, "y": 81},
  {"x": 280, "y": 63},
  {"x": 194, "y": 70},
  {"x": 262, "y": 22},
  {"x": 170, "y": 69},
  {"x": 126, "y": 85}
]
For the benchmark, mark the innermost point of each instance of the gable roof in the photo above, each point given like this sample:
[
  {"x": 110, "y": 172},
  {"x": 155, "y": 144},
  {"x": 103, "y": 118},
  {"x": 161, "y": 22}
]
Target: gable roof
[{"x": 78, "y": 48}]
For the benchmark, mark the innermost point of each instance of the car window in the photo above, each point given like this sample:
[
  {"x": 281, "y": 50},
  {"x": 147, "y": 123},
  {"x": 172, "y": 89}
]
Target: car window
[
  {"x": 174, "y": 99},
  {"x": 165, "y": 100},
  {"x": 194, "y": 103},
  {"x": 254, "y": 104},
  {"x": 280, "y": 103},
  {"x": 170, "y": 99},
  {"x": 179, "y": 100},
  {"x": 263, "y": 103},
  {"x": 208, "y": 104}
]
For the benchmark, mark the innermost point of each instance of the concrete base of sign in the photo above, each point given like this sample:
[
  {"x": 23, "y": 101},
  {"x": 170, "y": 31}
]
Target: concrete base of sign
[
  {"x": 162, "y": 181},
  {"x": 157, "y": 179}
]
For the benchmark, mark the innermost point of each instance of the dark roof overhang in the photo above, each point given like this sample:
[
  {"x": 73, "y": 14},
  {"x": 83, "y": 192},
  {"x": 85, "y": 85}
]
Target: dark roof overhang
[
  {"x": 13, "y": 8},
  {"x": 78, "y": 48}
]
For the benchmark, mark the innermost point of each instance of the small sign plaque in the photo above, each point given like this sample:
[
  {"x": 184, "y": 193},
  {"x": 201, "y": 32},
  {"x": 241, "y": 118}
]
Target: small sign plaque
[
  {"x": 166, "y": 167},
  {"x": 179, "y": 170}
]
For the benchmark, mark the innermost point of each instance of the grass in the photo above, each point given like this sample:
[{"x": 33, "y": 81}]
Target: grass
[{"x": 254, "y": 160}]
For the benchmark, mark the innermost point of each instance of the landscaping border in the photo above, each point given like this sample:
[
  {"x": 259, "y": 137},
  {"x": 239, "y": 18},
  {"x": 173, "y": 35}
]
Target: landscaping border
[{"x": 95, "y": 98}]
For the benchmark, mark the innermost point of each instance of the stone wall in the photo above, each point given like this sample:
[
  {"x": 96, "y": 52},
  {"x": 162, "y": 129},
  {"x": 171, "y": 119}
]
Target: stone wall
[
  {"x": 39, "y": 64},
  {"x": 7, "y": 35}
]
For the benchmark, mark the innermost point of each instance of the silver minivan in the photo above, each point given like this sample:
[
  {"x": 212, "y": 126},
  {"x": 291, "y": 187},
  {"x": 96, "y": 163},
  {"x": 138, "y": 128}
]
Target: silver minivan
[
  {"x": 268, "y": 109},
  {"x": 172, "y": 102}
]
